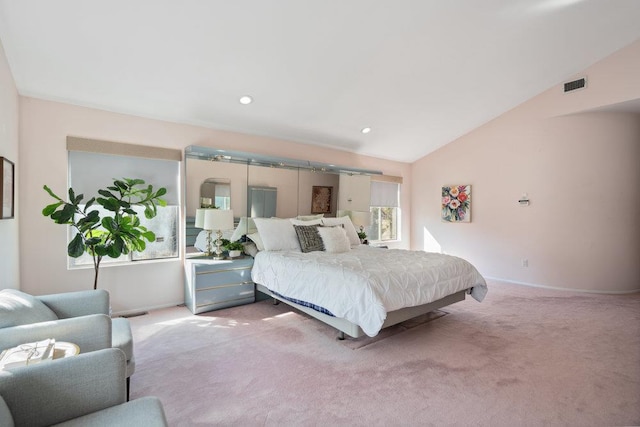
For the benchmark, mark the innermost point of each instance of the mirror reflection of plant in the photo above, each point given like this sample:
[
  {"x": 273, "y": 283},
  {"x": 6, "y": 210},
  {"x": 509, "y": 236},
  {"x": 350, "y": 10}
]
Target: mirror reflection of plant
[{"x": 118, "y": 231}]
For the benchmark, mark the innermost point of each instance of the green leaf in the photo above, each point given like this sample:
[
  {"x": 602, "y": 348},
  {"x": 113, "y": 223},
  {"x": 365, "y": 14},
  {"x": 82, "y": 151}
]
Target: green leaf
[
  {"x": 92, "y": 241},
  {"x": 113, "y": 252},
  {"x": 118, "y": 245},
  {"x": 148, "y": 213},
  {"x": 76, "y": 246},
  {"x": 49, "y": 209},
  {"x": 110, "y": 204},
  {"x": 65, "y": 215},
  {"x": 109, "y": 224},
  {"x": 149, "y": 235},
  {"x": 122, "y": 186},
  {"x": 141, "y": 245},
  {"x": 51, "y": 193},
  {"x": 101, "y": 250},
  {"x": 89, "y": 203},
  {"x": 107, "y": 194},
  {"x": 161, "y": 192}
]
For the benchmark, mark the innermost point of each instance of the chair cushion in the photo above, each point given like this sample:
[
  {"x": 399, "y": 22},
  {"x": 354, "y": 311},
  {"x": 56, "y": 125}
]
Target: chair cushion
[
  {"x": 6, "y": 419},
  {"x": 18, "y": 308}
]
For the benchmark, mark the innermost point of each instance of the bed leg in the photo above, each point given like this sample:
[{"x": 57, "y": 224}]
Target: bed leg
[
  {"x": 275, "y": 302},
  {"x": 340, "y": 335}
]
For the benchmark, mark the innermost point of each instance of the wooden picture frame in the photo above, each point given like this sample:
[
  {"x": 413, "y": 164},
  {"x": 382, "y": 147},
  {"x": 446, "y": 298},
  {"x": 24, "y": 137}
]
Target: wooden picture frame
[
  {"x": 7, "y": 188},
  {"x": 321, "y": 199}
]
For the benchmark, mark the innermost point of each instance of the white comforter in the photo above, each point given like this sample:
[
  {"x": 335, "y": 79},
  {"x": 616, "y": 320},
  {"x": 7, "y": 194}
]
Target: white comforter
[{"x": 362, "y": 285}]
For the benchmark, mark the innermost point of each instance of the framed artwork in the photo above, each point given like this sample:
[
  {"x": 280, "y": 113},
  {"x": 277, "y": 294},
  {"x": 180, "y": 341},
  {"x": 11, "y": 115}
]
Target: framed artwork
[
  {"x": 456, "y": 203},
  {"x": 7, "y": 175},
  {"x": 321, "y": 199}
]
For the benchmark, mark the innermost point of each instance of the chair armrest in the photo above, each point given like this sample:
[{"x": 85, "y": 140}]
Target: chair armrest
[
  {"x": 52, "y": 392},
  {"x": 90, "y": 333},
  {"x": 74, "y": 304}
]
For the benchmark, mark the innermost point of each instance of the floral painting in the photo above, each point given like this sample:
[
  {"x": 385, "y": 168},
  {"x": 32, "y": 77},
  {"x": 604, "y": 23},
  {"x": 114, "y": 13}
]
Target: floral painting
[{"x": 456, "y": 203}]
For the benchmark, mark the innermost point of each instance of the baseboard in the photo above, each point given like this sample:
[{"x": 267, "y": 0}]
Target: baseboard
[
  {"x": 138, "y": 311},
  {"x": 555, "y": 288}
]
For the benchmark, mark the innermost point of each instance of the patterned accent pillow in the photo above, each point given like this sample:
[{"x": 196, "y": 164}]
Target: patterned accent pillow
[{"x": 309, "y": 238}]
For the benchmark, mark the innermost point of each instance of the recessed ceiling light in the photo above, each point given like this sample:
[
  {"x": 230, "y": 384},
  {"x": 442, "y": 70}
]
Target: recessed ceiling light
[
  {"x": 244, "y": 100},
  {"x": 365, "y": 130}
]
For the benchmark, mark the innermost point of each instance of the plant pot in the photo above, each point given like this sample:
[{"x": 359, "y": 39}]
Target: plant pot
[{"x": 234, "y": 254}]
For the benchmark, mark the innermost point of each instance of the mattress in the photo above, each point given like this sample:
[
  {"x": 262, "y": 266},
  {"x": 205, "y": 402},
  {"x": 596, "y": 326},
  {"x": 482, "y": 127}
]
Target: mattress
[{"x": 362, "y": 285}]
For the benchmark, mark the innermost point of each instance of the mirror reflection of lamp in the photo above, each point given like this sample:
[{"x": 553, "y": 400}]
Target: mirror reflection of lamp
[
  {"x": 362, "y": 220},
  {"x": 214, "y": 219}
]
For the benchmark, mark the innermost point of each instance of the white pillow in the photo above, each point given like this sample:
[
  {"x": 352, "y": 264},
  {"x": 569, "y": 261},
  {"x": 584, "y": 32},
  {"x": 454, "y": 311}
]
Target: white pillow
[
  {"x": 305, "y": 222},
  {"x": 346, "y": 223},
  {"x": 277, "y": 234},
  {"x": 255, "y": 238},
  {"x": 334, "y": 239},
  {"x": 201, "y": 241},
  {"x": 245, "y": 226}
]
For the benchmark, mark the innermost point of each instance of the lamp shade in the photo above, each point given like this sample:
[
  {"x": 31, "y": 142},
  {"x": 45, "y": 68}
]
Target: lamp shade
[
  {"x": 199, "y": 218},
  {"x": 218, "y": 219},
  {"x": 361, "y": 218}
]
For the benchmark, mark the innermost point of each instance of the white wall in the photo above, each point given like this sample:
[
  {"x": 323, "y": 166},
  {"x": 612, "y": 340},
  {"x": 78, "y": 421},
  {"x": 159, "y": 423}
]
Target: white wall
[
  {"x": 580, "y": 169},
  {"x": 44, "y": 126},
  {"x": 9, "y": 242}
]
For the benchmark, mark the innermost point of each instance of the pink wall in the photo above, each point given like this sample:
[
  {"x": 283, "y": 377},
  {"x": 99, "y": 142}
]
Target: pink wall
[
  {"x": 9, "y": 243},
  {"x": 580, "y": 171},
  {"x": 44, "y": 126}
]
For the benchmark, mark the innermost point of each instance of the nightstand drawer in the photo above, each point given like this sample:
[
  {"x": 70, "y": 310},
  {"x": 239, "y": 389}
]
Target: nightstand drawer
[
  {"x": 223, "y": 296},
  {"x": 214, "y": 284},
  {"x": 208, "y": 278}
]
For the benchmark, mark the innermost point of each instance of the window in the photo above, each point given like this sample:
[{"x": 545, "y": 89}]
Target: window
[
  {"x": 385, "y": 211},
  {"x": 94, "y": 164}
]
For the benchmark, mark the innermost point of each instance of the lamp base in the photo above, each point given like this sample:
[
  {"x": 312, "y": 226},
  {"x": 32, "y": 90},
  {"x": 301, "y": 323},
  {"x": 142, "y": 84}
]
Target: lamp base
[{"x": 218, "y": 254}]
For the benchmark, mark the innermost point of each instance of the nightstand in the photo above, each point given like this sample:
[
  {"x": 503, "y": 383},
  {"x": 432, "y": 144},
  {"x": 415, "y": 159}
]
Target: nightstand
[{"x": 214, "y": 284}]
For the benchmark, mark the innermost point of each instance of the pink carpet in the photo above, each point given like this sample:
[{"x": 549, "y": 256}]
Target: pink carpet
[{"x": 524, "y": 356}]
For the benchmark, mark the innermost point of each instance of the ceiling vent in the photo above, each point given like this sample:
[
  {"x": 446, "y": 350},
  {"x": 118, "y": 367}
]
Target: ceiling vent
[{"x": 575, "y": 85}]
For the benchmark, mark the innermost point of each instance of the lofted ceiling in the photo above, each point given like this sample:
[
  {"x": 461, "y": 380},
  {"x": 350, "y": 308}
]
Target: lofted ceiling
[{"x": 419, "y": 73}]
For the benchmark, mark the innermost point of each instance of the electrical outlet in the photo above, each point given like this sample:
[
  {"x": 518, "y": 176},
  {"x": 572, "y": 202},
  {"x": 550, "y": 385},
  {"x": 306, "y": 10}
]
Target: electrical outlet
[{"x": 525, "y": 262}]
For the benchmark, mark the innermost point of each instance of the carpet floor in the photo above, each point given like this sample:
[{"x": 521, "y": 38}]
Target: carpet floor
[{"x": 524, "y": 356}]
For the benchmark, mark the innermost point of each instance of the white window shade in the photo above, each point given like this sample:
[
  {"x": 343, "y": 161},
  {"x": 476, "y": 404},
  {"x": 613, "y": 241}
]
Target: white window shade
[
  {"x": 94, "y": 164},
  {"x": 385, "y": 194},
  {"x": 89, "y": 172}
]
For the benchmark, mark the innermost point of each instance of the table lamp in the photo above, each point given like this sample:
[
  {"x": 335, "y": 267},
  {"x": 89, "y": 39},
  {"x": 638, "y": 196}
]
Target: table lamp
[{"x": 219, "y": 220}]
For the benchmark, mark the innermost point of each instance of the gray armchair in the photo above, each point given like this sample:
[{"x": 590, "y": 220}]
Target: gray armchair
[
  {"x": 78, "y": 317},
  {"x": 83, "y": 390}
]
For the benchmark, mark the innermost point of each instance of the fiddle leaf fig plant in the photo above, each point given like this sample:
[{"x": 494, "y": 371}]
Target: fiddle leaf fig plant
[{"x": 117, "y": 231}]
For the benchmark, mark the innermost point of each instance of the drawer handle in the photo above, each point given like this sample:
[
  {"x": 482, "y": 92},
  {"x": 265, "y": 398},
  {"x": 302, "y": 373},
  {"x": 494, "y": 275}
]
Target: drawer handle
[{"x": 226, "y": 285}]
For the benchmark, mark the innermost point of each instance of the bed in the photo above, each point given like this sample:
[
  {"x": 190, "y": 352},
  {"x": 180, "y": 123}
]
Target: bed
[{"x": 364, "y": 289}]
